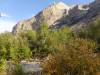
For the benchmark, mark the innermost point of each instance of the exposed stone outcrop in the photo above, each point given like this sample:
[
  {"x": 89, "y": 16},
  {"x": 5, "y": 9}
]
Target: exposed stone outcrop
[
  {"x": 92, "y": 14},
  {"x": 49, "y": 15},
  {"x": 76, "y": 13},
  {"x": 23, "y": 26},
  {"x": 59, "y": 14}
]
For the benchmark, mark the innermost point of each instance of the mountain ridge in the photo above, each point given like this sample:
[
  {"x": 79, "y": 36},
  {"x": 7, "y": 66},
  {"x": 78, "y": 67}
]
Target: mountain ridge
[{"x": 59, "y": 14}]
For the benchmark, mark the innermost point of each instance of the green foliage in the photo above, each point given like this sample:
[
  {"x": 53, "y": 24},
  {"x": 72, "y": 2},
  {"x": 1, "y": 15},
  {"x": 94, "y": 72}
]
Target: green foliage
[
  {"x": 24, "y": 53},
  {"x": 18, "y": 70},
  {"x": 41, "y": 48},
  {"x": 14, "y": 47},
  {"x": 73, "y": 60},
  {"x": 5, "y": 43},
  {"x": 2, "y": 65},
  {"x": 22, "y": 48},
  {"x": 91, "y": 32},
  {"x": 2, "y": 52},
  {"x": 69, "y": 54},
  {"x": 31, "y": 38},
  {"x": 48, "y": 40},
  {"x": 38, "y": 43}
]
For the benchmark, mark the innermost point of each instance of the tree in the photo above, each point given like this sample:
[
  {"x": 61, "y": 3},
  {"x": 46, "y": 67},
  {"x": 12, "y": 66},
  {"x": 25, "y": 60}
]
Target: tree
[
  {"x": 31, "y": 38},
  {"x": 22, "y": 48},
  {"x": 6, "y": 43},
  {"x": 41, "y": 49},
  {"x": 48, "y": 40},
  {"x": 2, "y": 64}
]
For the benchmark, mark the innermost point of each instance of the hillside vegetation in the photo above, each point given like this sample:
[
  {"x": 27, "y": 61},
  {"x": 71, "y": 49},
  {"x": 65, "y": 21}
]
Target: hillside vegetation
[{"x": 69, "y": 53}]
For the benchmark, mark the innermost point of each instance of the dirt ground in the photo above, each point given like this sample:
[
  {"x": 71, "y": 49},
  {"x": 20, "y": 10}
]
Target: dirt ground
[{"x": 3, "y": 73}]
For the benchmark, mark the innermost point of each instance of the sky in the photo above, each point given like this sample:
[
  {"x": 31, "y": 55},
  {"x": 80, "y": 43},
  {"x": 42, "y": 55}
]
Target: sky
[{"x": 12, "y": 11}]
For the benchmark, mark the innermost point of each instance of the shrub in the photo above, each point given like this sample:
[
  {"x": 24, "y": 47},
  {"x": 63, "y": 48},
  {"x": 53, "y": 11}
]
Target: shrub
[
  {"x": 18, "y": 70},
  {"x": 74, "y": 59},
  {"x": 2, "y": 65}
]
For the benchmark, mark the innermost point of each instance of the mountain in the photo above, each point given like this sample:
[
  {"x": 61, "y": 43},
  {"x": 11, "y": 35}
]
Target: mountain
[
  {"x": 59, "y": 14},
  {"x": 92, "y": 15},
  {"x": 49, "y": 15}
]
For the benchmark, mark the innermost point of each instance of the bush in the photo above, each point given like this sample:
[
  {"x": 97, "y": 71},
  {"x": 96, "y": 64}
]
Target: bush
[
  {"x": 18, "y": 70},
  {"x": 91, "y": 32},
  {"x": 2, "y": 65},
  {"x": 75, "y": 59}
]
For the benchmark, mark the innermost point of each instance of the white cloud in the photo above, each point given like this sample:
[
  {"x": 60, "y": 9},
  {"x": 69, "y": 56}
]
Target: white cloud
[
  {"x": 6, "y": 25},
  {"x": 4, "y": 15}
]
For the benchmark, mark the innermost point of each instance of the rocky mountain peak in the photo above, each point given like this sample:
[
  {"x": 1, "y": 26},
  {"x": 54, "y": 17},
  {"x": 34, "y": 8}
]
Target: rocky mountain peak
[
  {"x": 95, "y": 4},
  {"x": 58, "y": 14},
  {"x": 62, "y": 5},
  {"x": 50, "y": 15},
  {"x": 57, "y": 7}
]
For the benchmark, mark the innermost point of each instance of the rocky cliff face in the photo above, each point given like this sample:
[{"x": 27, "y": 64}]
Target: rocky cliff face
[
  {"x": 50, "y": 15},
  {"x": 92, "y": 14},
  {"x": 60, "y": 14},
  {"x": 23, "y": 26}
]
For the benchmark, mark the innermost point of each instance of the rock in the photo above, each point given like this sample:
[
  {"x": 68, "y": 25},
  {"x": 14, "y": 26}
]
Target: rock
[
  {"x": 49, "y": 15},
  {"x": 59, "y": 14},
  {"x": 23, "y": 26},
  {"x": 93, "y": 12},
  {"x": 29, "y": 68},
  {"x": 76, "y": 13}
]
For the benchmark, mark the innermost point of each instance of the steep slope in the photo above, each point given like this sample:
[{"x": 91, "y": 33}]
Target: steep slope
[
  {"x": 23, "y": 26},
  {"x": 50, "y": 15},
  {"x": 59, "y": 14},
  {"x": 92, "y": 14}
]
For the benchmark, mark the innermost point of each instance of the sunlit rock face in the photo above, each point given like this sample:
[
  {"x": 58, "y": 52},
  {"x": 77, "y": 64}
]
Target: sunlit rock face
[
  {"x": 60, "y": 14},
  {"x": 50, "y": 15},
  {"x": 23, "y": 26}
]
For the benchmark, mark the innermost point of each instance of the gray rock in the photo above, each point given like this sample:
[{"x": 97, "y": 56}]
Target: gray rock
[
  {"x": 59, "y": 14},
  {"x": 49, "y": 15},
  {"x": 29, "y": 68}
]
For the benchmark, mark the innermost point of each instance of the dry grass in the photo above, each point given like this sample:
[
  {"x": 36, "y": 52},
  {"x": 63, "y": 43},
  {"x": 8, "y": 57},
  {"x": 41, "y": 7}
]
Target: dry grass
[{"x": 98, "y": 73}]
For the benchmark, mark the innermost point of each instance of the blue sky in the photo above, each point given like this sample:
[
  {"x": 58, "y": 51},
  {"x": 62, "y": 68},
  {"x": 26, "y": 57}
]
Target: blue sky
[{"x": 15, "y": 10}]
